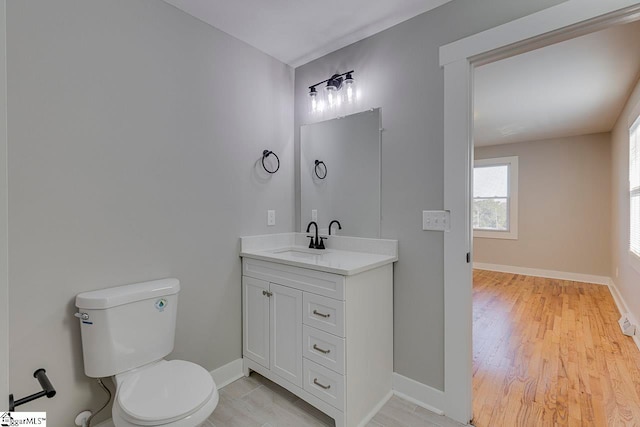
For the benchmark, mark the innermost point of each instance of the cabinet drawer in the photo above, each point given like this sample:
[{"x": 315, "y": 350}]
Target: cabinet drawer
[
  {"x": 319, "y": 282},
  {"x": 323, "y": 313},
  {"x": 323, "y": 348},
  {"x": 324, "y": 384}
]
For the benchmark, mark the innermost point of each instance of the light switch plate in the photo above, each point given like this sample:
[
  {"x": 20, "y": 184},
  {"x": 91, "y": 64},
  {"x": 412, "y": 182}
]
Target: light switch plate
[
  {"x": 314, "y": 215},
  {"x": 271, "y": 217},
  {"x": 436, "y": 220}
]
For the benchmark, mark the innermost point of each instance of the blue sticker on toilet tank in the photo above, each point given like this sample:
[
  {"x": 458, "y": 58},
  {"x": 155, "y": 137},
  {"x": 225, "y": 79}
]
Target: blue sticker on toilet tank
[{"x": 161, "y": 304}]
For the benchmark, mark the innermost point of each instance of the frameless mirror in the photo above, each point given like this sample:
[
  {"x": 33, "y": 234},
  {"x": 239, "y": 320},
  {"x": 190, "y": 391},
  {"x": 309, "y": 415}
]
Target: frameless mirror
[{"x": 340, "y": 174}]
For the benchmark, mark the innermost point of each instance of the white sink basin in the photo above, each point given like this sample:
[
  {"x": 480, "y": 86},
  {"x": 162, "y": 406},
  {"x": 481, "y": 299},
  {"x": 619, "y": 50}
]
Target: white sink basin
[
  {"x": 300, "y": 253},
  {"x": 343, "y": 258}
]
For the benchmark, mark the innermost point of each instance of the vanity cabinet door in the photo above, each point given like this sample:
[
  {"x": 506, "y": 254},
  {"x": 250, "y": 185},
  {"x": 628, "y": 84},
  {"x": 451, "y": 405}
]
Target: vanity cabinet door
[
  {"x": 286, "y": 333},
  {"x": 255, "y": 320}
]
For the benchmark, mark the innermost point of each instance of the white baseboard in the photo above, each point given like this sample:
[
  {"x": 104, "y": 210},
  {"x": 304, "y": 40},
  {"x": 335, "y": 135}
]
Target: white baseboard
[
  {"x": 375, "y": 410},
  {"x": 228, "y": 373},
  {"x": 623, "y": 308},
  {"x": 617, "y": 298},
  {"x": 418, "y": 393},
  {"x": 550, "y": 274}
]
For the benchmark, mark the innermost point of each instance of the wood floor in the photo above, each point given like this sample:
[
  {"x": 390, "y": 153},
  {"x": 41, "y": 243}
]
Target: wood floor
[{"x": 550, "y": 353}]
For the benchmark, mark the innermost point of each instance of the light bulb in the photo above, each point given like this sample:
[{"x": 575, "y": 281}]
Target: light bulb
[
  {"x": 332, "y": 92},
  {"x": 349, "y": 86},
  {"x": 313, "y": 100},
  {"x": 331, "y": 96}
]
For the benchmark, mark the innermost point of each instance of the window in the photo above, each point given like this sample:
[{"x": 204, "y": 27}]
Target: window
[
  {"x": 495, "y": 198},
  {"x": 634, "y": 189}
]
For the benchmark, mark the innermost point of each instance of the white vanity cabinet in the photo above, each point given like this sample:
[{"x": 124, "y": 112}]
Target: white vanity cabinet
[
  {"x": 325, "y": 337},
  {"x": 272, "y": 327}
]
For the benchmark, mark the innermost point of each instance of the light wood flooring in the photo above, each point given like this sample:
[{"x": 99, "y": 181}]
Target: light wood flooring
[
  {"x": 550, "y": 353},
  {"x": 257, "y": 402}
]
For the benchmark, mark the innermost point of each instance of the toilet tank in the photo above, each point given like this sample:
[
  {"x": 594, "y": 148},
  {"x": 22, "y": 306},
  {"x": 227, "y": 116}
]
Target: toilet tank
[{"x": 125, "y": 327}]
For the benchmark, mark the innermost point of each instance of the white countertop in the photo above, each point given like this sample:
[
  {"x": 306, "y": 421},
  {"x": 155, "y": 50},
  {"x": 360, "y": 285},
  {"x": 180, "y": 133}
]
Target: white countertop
[{"x": 286, "y": 249}]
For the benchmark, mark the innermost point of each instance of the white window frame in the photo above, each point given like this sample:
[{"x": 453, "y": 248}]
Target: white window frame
[
  {"x": 512, "y": 163},
  {"x": 633, "y": 257}
]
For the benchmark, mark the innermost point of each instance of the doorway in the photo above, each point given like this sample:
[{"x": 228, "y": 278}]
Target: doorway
[
  {"x": 545, "y": 323},
  {"x": 4, "y": 280},
  {"x": 562, "y": 22}
]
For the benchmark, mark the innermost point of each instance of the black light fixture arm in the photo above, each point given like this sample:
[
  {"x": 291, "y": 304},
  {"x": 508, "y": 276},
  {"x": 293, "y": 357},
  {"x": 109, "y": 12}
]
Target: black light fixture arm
[{"x": 334, "y": 77}]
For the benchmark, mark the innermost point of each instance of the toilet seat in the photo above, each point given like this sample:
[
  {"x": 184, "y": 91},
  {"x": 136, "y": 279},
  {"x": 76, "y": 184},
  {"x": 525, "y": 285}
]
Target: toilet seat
[{"x": 178, "y": 389}]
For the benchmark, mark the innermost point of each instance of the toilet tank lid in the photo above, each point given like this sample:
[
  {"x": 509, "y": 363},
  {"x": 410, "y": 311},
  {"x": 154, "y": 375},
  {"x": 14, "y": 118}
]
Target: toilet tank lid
[{"x": 119, "y": 295}]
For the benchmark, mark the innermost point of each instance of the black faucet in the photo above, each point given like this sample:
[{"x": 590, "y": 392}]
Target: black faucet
[
  {"x": 318, "y": 242},
  {"x": 331, "y": 223}
]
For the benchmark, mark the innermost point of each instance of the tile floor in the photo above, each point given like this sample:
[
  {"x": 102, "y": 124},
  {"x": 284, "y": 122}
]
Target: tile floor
[{"x": 257, "y": 402}]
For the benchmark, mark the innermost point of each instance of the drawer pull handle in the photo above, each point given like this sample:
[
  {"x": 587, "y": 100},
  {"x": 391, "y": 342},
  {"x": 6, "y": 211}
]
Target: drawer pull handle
[
  {"x": 315, "y": 347},
  {"x": 326, "y": 387},
  {"x": 267, "y": 293},
  {"x": 317, "y": 313}
]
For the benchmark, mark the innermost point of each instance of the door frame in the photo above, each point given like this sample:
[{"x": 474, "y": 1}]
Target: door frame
[
  {"x": 4, "y": 214},
  {"x": 558, "y": 23}
]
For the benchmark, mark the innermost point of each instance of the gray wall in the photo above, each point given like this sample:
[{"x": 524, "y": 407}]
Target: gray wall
[
  {"x": 398, "y": 70},
  {"x": 625, "y": 276},
  {"x": 134, "y": 132},
  {"x": 564, "y": 198}
]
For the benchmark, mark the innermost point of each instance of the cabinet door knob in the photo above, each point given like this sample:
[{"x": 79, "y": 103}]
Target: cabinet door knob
[
  {"x": 267, "y": 293},
  {"x": 326, "y": 387},
  {"x": 315, "y": 347},
  {"x": 317, "y": 313}
]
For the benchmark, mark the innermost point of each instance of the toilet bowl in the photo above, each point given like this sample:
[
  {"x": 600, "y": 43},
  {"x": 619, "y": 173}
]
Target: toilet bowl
[
  {"x": 127, "y": 331},
  {"x": 168, "y": 393}
]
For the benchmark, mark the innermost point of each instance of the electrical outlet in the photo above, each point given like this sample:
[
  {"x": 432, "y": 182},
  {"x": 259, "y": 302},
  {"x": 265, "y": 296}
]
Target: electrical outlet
[
  {"x": 271, "y": 217},
  {"x": 314, "y": 215},
  {"x": 436, "y": 220}
]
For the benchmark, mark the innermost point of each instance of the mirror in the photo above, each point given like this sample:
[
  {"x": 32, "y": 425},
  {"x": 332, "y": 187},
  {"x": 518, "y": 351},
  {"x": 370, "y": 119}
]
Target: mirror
[{"x": 340, "y": 174}]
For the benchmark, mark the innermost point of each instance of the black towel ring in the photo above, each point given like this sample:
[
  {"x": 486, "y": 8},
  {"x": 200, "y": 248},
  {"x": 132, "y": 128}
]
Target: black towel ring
[
  {"x": 267, "y": 153},
  {"x": 315, "y": 169}
]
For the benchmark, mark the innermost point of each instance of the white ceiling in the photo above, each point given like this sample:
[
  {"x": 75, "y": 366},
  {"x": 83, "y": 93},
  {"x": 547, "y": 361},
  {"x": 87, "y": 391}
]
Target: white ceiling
[
  {"x": 299, "y": 31},
  {"x": 571, "y": 88}
]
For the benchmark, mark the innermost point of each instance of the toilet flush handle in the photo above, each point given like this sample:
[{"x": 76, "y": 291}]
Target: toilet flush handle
[{"x": 83, "y": 316}]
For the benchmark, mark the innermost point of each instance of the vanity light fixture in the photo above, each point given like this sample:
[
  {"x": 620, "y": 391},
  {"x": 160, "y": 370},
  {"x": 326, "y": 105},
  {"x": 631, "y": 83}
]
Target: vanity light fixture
[{"x": 339, "y": 88}]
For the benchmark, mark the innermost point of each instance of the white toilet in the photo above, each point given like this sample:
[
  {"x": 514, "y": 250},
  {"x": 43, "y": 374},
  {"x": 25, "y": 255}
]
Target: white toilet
[{"x": 126, "y": 333}]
